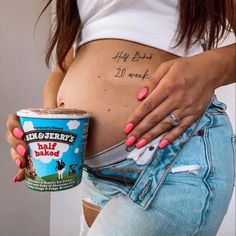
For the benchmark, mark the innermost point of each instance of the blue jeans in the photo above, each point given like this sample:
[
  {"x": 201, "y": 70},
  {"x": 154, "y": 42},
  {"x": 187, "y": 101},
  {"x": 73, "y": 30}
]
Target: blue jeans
[{"x": 183, "y": 189}]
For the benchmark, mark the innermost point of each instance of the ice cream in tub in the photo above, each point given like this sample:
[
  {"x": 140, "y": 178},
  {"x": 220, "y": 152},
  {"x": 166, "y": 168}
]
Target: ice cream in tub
[{"x": 57, "y": 144}]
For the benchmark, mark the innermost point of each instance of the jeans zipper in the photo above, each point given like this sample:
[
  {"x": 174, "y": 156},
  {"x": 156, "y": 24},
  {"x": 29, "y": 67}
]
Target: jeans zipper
[{"x": 115, "y": 179}]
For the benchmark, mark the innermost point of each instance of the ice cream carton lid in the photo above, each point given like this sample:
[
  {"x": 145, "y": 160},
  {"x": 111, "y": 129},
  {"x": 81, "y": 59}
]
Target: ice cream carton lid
[{"x": 54, "y": 113}]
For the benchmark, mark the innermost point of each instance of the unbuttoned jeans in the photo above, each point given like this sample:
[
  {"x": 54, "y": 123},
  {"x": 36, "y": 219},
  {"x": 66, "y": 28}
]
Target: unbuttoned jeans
[{"x": 183, "y": 190}]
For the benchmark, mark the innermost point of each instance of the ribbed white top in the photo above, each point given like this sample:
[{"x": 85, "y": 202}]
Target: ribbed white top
[{"x": 149, "y": 22}]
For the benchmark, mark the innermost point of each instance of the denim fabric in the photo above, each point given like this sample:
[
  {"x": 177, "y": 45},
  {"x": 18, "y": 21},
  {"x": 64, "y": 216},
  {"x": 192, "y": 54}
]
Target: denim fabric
[{"x": 184, "y": 189}]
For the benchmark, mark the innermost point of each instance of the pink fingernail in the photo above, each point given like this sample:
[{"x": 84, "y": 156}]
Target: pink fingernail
[
  {"x": 18, "y": 133},
  {"x": 130, "y": 141},
  {"x": 142, "y": 93},
  {"x": 163, "y": 143},
  {"x": 142, "y": 142},
  {"x": 19, "y": 163},
  {"x": 128, "y": 127},
  {"x": 21, "y": 149},
  {"x": 15, "y": 179}
]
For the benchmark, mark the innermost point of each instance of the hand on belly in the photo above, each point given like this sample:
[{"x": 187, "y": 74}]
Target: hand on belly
[{"x": 105, "y": 81}]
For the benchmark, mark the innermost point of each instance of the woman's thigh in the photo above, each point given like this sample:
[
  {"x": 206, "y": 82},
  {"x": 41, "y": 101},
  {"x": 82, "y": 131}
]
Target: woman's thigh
[
  {"x": 120, "y": 217},
  {"x": 198, "y": 189}
]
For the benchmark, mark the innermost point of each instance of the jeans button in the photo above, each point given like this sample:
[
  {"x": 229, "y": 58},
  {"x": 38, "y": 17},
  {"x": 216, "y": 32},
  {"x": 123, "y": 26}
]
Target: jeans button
[
  {"x": 150, "y": 148},
  {"x": 200, "y": 132}
]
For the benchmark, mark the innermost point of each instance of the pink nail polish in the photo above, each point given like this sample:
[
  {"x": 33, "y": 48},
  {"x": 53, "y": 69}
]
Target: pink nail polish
[
  {"x": 130, "y": 141},
  {"x": 163, "y": 143},
  {"x": 19, "y": 163},
  {"x": 21, "y": 149},
  {"x": 15, "y": 179},
  {"x": 142, "y": 142},
  {"x": 128, "y": 127},
  {"x": 18, "y": 133},
  {"x": 142, "y": 93}
]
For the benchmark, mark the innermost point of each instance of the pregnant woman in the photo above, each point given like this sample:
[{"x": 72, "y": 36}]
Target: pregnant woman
[{"x": 160, "y": 146}]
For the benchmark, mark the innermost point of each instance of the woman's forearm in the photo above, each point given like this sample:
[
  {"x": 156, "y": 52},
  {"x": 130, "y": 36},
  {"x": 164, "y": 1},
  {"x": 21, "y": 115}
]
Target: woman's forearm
[
  {"x": 51, "y": 88},
  {"x": 222, "y": 62}
]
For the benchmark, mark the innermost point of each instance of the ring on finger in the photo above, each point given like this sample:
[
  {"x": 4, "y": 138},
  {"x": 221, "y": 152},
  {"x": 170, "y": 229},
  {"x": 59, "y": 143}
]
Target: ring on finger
[{"x": 174, "y": 120}]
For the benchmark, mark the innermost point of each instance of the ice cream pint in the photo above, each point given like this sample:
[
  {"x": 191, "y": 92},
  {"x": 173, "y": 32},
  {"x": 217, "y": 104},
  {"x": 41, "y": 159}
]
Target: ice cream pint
[{"x": 57, "y": 143}]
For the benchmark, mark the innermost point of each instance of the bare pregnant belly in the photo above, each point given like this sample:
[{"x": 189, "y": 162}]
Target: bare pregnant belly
[{"x": 104, "y": 79}]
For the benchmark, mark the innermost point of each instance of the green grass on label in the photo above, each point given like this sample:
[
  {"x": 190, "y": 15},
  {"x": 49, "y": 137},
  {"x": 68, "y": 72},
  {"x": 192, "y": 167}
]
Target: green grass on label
[
  {"x": 54, "y": 177},
  {"x": 36, "y": 179},
  {"x": 39, "y": 179}
]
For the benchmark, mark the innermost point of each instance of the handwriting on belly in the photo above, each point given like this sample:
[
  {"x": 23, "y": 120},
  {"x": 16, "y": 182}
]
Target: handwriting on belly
[
  {"x": 136, "y": 57},
  {"x": 121, "y": 72},
  {"x": 122, "y": 57}
]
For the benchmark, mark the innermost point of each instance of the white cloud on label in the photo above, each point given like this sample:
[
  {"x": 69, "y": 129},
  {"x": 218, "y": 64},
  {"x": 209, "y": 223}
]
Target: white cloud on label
[
  {"x": 73, "y": 124},
  {"x": 39, "y": 151},
  {"x": 77, "y": 150},
  {"x": 28, "y": 126}
]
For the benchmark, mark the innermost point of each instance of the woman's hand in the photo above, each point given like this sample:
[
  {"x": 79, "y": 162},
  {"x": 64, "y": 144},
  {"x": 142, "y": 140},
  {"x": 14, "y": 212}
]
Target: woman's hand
[
  {"x": 19, "y": 148},
  {"x": 182, "y": 87}
]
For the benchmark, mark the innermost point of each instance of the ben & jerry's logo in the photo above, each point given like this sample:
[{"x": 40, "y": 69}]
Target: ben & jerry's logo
[{"x": 62, "y": 136}]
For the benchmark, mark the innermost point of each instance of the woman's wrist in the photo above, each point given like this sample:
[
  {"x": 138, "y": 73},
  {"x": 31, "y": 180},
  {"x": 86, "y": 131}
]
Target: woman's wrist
[
  {"x": 211, "y": 68},
  {"x": 220, "y": 65}
]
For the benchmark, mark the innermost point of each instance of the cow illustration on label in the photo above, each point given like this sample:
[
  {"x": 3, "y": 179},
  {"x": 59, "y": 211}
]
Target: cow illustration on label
[{"x": 60, "y": 168}]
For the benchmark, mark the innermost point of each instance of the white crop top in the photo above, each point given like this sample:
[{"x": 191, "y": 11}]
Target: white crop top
[{"x": 149, "y": 22}]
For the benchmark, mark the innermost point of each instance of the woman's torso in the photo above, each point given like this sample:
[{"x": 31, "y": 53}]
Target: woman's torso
[{"x": 105, "y": 79}]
